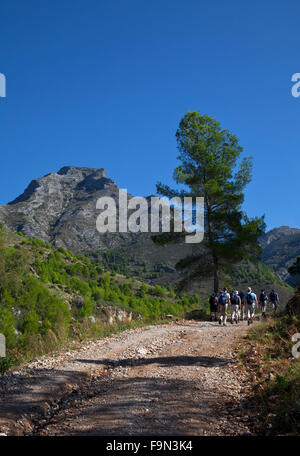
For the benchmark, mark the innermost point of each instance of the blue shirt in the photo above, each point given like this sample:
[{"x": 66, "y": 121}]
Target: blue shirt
[{"x": 253, "y": 297}]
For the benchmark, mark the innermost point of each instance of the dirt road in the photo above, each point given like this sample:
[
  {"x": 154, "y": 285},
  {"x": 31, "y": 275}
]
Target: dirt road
[{"x": 174, "y": 379}]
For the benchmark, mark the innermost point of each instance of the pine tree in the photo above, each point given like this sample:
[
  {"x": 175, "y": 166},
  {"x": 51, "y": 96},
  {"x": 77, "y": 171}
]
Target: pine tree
[{"x": 210, "y": 167}]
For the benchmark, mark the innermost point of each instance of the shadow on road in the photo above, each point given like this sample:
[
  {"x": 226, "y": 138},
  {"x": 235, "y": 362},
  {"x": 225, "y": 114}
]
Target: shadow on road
[
  {"x": 205, "y": 361},
  {"x": 145, "y": 406}
]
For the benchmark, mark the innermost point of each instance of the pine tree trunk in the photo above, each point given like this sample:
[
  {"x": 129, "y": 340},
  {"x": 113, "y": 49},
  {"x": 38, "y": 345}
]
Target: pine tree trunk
[
  {"x": 216, "y": 275},
  {"x": 211, "y": 242}
]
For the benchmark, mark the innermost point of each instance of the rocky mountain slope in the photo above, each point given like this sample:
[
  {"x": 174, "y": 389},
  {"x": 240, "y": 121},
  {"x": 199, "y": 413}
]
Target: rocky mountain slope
[
  {"x": 281, "y": 247},
  {"x": 60, "y": 208}
]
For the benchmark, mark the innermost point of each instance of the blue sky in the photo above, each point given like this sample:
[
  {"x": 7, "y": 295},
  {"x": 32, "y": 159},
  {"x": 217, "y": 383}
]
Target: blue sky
[{"x": 105, "y": 83}]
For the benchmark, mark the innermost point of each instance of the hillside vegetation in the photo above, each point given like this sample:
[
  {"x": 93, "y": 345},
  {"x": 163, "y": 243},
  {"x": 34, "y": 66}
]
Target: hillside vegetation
[
  {"x": 66, "y": 217},
  {"x": 247, "y": 273},
  {"x": 268, "y": 355},
  {"x": 50, "y": 296}
]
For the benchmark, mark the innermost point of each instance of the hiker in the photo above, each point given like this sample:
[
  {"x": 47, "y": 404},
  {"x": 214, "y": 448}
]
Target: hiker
[
  {"x": 235, "y": 307},
  {"x": 263, "y": 299},
  {"x": 224, "y": 301},
  {"x": 251, "y": 303},
  {"x": 242, "y": 309},
  {"x": 213, "y": 302},
  {"x": 274, "y": 299}
]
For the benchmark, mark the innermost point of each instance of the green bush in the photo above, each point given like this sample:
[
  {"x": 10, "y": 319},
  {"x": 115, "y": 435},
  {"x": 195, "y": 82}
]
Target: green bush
[{"x": 35, "y": 280}]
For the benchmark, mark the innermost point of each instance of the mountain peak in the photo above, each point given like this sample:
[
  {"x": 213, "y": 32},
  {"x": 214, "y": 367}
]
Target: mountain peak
[
  {"x": 70, "y": 176},
  {"x": 81, "y": 172},
  {"x": 284, "y": 229},
  {"x": 61, "y": 207}
]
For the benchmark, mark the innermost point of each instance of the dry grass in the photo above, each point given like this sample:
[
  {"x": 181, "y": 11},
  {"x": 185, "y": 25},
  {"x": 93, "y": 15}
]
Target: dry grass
[{"x": 267, "y": 354}]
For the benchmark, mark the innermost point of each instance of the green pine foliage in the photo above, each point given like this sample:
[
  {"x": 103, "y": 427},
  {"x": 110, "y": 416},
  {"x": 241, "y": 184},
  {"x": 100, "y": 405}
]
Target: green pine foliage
[{"x": 210, "y": 165}]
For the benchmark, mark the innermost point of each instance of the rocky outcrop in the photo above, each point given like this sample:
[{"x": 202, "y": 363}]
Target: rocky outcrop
[{"x": 61, "y": 208}]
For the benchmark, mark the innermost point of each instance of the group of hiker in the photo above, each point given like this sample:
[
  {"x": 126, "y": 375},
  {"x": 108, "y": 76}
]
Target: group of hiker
[{"x": 242, "y": 305}]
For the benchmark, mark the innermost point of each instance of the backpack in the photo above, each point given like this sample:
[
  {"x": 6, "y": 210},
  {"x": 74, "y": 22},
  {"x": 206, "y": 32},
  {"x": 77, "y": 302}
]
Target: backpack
[
  {"x": 272, "y": 296},
  {"x": 235, "y": 300},
  {"x": 223, "y": 299},
  {"x": 250, "y": 299},
  {"x": 263, "y": 297}
]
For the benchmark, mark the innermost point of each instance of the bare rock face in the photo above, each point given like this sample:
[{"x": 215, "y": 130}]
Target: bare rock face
[{"x": 61, "y": 208}]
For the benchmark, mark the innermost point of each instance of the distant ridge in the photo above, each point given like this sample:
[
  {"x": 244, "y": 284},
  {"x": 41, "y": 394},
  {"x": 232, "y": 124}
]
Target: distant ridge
[{"x": 281, "y": 247}]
